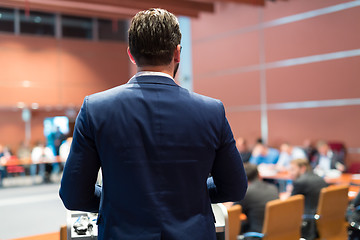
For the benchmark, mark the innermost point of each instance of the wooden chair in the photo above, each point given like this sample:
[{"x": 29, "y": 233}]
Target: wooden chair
[
  {"x": 330, "y": 218},
  {"x": 234, "y": 222},
  {"x": 63, "y": 232},
  {"x": 47, "y": 236},
  {"x": 227, "y": 220},
  {"x": 282, "y": 220}
]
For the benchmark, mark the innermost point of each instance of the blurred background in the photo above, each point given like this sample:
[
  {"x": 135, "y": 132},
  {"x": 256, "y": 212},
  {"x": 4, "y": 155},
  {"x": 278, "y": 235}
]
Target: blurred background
[{"x": 286, "y": 71}]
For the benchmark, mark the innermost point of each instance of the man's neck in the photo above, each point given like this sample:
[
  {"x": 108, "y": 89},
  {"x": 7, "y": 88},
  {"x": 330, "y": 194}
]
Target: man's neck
[{"x": 164, "y": 69}]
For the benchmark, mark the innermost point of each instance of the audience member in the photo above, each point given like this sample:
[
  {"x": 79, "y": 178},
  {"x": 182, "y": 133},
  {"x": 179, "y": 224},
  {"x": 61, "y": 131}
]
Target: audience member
[
  {"x": 288, "y": 153},
  {"x": 64, "y": 151},
  {"x": 309, "y": 149},
  {"x": 6, "y": 156},
  {"x": 263, "y": 154},
  {"x": 1, "y": 150},
  {"x": 257, "y": 195},
  {"x": 2, "y": 168},
  {"x": 326, "y": 160},
  {"x": 353, "y": 217},
  {"x": 23, "y": 153},
  {"x": 58, "y": 137},
  {"x": 242, "y": 147},
  {"x": 307, "y": 183},
  {"x": 42, "y": 158}
]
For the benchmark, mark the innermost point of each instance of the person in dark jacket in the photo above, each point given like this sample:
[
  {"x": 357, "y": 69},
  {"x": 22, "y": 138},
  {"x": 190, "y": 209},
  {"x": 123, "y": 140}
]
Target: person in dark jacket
[
  {"x": 307, "y": 183},
  {"x": 257, "y": 195}
]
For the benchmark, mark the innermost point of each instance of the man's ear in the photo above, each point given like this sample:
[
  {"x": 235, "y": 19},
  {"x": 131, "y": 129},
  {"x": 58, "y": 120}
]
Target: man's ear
[
  {"x": 303, "y": 169},
  {"x": 177, "y": 52},
  {"x": 130, "y": 56}
]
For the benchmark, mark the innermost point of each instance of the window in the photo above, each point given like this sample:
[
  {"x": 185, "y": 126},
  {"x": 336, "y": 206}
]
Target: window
[
  {"x": 46, "y": 24},
  {"x": 7, "y": 17},
  {"x": 37, "y": 23},
  {"x": 76, "y": 27},
  {"x": 109, "y": 30}
]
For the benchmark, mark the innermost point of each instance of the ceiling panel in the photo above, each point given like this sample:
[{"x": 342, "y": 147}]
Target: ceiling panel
[{"x": 120, "y": 9}]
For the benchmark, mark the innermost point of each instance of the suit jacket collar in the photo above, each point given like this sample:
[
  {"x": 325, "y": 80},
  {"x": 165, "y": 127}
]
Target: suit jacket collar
[{"x": 152, "y": 78}]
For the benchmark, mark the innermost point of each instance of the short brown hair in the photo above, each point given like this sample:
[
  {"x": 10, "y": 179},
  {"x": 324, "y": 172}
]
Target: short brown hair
[
  {"x": 302, "y": 162},
  {"x": 153, "y": 36},
  {"x": 251, "y": 171}
]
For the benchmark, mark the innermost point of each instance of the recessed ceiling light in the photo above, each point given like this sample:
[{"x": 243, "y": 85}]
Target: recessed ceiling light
[
  {"x": 34, "y": 106},
  {"x": 20, "y": 105},
  {"x": 26, "y": 83}
]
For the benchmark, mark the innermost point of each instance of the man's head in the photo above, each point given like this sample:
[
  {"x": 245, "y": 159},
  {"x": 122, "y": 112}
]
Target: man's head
[
  {"x": 286, "y": 147},
  {"x": 298, "y": 167},
  {"x": 241, "y": 144},
  {"x": 154, "y": 35},
  {"x": 322, "y": 147},
  {"x": 252, "y": 172}
]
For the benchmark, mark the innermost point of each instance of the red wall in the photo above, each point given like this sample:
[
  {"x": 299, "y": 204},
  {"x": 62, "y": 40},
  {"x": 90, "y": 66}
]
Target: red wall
[
  {"x": 60, "y": 73},
  {"x": 230, "y": 45}
]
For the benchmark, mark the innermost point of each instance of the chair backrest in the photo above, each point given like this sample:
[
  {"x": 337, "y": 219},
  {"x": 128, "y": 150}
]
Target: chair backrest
[
  {"x": 331, "y": 211},
  {"x": 234, "y": 222},
  {"x": 63, "y": 232},
  {"x": 283, "y": 218},
  {"x": 221, "y": 218}
]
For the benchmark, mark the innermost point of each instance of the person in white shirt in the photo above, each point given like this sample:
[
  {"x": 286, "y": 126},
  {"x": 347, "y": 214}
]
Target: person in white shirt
[
  {"x": 65, "y": 149},
  {"x": 43, "y": 157},
  {"x": 287, "y": 154},
  {"x": 326, "y": 160}
]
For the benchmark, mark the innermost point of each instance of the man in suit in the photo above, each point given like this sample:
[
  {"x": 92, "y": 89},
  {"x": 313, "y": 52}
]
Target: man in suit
[
  {"x": 257, "y": 195},
  {"x": 156, "y": 144},
  {"x": 326, "y": 160},
  {"x": 307, "y": 183}
]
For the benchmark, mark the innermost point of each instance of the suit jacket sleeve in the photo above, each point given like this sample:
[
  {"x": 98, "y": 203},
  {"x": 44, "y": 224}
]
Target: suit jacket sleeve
[
  {"x": 229, "y": 182},
  {"x": 297, "y": 188},
  {"x": 78, "y": 190}
]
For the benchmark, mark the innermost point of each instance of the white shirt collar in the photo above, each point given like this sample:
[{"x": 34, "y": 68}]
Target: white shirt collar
[{"x": 149, "y": 73}]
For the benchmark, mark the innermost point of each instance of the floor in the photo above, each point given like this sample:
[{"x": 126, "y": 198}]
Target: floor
[{"x": 29, "y": 207}]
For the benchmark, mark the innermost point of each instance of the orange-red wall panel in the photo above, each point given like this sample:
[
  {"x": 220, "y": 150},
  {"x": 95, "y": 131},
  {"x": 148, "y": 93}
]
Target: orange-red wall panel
[
  {"x": 228, "y": 17},
  {"x": 280, "y": 9},
  {"x": 327, "y": 34},
  {"x": 245, "y": 124},
  {"x": 52, "y": 67},
  {"x": 56, "y": 74},
  {"x": 233, "y": 90},
  {"x": 226, "y": 53},
  {"x": 336, "y": 79}
]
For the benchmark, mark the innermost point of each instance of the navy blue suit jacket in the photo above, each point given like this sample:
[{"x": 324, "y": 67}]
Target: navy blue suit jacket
[{"x": 156, "y": 144}]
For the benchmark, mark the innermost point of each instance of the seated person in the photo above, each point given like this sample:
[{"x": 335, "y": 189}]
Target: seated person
[
  {"x": 243, "y": 149},
  {"x": 353, "y": 217},
  {"x": 43, "y": 157},
  {"x": 307, "y": 183},
  {"x": 288, "y": 153},
  {"x": 263, "y": 154},
  {"x": 2, "y": 161},
  {"x": 309, "y": 149},
  {"x": 257, "y": 195},
  {"x": 325, "y": 160}
]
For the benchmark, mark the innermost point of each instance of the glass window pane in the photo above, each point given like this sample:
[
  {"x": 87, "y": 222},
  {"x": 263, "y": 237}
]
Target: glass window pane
[
  {"x": 7, "y": 17},
  {"x": 108, "y": 30},
  {"x": 37, "y": 23},
  {"x": 76, "y": 27}
]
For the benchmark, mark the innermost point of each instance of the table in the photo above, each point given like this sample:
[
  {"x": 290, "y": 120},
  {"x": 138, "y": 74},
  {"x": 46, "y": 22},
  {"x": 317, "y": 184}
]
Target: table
[{"x": 352, "y": 180}]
